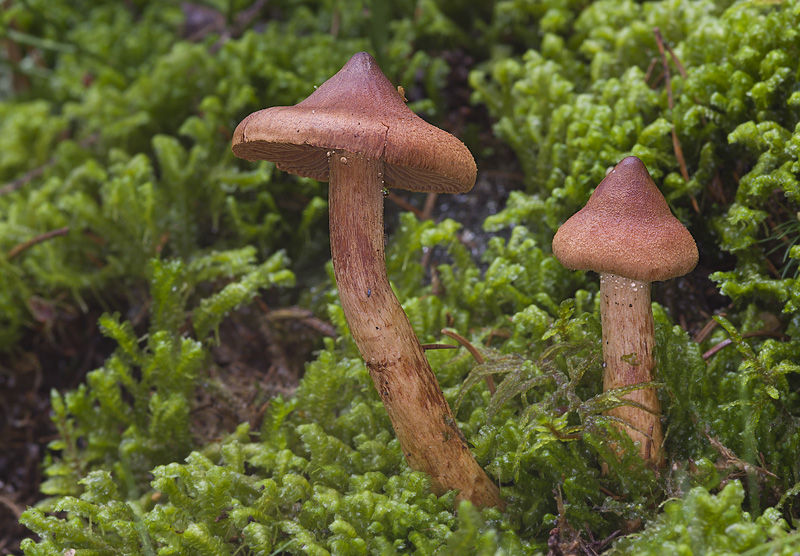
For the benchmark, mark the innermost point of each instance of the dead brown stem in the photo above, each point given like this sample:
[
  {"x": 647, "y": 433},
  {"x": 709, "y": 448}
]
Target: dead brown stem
[
  {"x": 430, "y": 204},
  {"x": 405, "y": 205},
  {"x": 475, "y": 353},
  {"x": 427, "y": 347},
  {"x": 31, "y": 175},
  {"x": 304, "y": 316},
  {"x": 727, "y": 341},
  {"x": 19, "y": 248},
  {"x": 676, "y": 144}
]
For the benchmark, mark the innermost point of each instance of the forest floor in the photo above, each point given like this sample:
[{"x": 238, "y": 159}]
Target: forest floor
[{"x": 260, "y": 344}]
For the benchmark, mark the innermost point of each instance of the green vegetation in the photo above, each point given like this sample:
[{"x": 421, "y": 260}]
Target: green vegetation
[{"x": 114, "y": 139}]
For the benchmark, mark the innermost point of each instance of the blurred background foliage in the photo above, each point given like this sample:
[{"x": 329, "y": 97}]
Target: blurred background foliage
[{"x": 210, "y": 283}]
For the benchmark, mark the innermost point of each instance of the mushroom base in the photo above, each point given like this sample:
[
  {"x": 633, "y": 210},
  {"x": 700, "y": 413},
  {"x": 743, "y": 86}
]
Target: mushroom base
[
  {"x": 628, "y": 342},
  {"x": 420, "y": 415}
]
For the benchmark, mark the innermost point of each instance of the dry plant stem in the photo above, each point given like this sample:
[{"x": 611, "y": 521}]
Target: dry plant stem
[
  {"x": 676, "y": 144},
  {"x": 727, "y": 342},
  {"x": 420, "y": 415},
  {"x": 475, "y": 354},
  {"x": 628, "y": 342},
  {"x": 19, "y": 248}
]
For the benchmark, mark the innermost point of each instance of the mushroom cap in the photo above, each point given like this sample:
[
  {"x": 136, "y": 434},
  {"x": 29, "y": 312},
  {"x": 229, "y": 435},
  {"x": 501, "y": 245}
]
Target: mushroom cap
[
  {"x": 627, "y": 229},
  {"x": 360, "y": 111}
]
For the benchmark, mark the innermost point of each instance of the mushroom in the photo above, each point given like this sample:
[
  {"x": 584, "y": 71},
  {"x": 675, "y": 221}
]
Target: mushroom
[
  {"x": 356, "y": 132},
  {"x": 627, "y": 234}
]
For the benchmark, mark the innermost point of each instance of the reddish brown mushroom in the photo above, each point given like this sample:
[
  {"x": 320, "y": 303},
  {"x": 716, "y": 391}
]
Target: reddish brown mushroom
[
  {"x": 627, "y": 234},
  {"x": 356, "y": 132}
]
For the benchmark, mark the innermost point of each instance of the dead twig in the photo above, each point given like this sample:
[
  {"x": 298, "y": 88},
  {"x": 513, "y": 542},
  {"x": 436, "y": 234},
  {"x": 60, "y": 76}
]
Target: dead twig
[
  {"x": 599, "y": 545},
  {"x": 497, "y": 333},
  {"x": 727, "y": 341},
  {"x": 15, "y": 508},
  {"x": 430, "y": 204},
  {"x": 475, "y": 353},
  {"x": 564, "y": 539},
  {"x": 31, "y": 175},
  {"x": 14, "y": 54},
  {"x": 202, "y": 21},
  {"x": 650, "y": 68},
  {"x": 426, "y": 347},
  {"x": 17, "y": 249},
  {"x": 732, "y": 460},
  {"x": 707, "y": 329},
  {"x": 676, "y": 144},
  {"x": 305, "y": 316},
  {"x": 405, "y": 205},
  {"x": 422, "y": 214},
  {"x": 676, "y": 60},
  {"x": 26, "y": 178}
]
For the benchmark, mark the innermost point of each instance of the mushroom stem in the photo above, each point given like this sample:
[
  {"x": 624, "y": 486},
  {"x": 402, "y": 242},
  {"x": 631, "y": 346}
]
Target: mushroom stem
[
  {"x": 420, "y": 415},
  {"x": 628, "y": 342}
]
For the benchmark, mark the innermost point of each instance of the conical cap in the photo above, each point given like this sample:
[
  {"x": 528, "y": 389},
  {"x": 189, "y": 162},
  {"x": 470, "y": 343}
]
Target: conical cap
[
  {"x": 360, "y": 111},
  {"x": 627, "y": 229}
]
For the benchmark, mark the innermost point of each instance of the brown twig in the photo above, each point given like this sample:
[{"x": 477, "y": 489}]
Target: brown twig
[
  {"x": 19, "y": 248},
  {"x": 304, "y": 316},
  {"x": 676, "y": 144},
  {"x": 615, "y": 497},
  {"x": 676, "y": 60},
  {"x": 430, "y": 204},
  {"x": 599, "y": 546},
  {"x": 15, "y": 508},
  {"x": 717, "y": 190},
  {"x": 726, "y": 342},
  {"x": 564, "y": 539},
  {"x": 31, "y": 175},
  {"x": 426, "y": 347},
  {"x": 465, "y": 343},
  {"x": 731, "y": 459},
  {"x": 772, "y": 268},
  {"x": 650, "y": 68},
  {"x": 497, "y": 333},
  {"x": 405, "y": 205},
  {"x": 422, "y": 214},
  {"x": 336, "y": 22},
  {"x": 475, "y": 353},
  {"x": 14, "y": 54},
  {"x": 707, "y": 329},
  {"x": 26, "y": 178}
]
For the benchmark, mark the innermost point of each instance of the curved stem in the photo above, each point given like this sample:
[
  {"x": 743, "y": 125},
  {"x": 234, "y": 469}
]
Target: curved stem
[
  {"x": 422, "y": 420},
  {"x": 628, "y": 343}
]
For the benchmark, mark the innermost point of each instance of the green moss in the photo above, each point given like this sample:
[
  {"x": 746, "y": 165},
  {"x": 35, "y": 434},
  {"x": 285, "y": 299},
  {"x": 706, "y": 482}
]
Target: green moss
[
  {"x": 703, "y": 523},
  {"x": 136, "y": 163},
  {"x": 133, "y": 413},
  {"x": 333, "y": 476}
]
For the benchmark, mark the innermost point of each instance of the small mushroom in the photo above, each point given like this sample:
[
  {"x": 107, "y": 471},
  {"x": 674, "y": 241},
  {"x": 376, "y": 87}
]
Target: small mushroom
[
  {"x": 356, "y": 132},
  {"x": 627, "y": 234}
]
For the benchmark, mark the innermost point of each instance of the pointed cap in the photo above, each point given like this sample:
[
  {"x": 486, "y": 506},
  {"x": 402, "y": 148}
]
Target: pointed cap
[
  {"x": 627, "y": 229},
  {"x": 360, "y": 111}
]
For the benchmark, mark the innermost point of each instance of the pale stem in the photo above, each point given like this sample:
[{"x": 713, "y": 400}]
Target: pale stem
[
  {"x": 628, "y": 343},
  {"x": 420, "y": 415}
]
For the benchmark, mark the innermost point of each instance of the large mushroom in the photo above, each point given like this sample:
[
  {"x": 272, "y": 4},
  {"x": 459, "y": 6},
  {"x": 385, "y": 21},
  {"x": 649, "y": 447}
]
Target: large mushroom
[
  {"x": 356, "y": 132},
  {"x": 627, "y": 234}
]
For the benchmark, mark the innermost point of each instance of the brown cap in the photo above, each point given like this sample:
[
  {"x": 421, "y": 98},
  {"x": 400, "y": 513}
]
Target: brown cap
[
  {"x": 360, "y": 111},
  {"x": 627, "y": 229}
]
